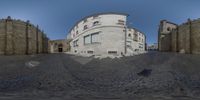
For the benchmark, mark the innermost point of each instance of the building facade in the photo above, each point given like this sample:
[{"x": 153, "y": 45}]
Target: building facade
[
  {"x": 18, "y": 37},
  {"x": 153, "y": 47},
  {"x": 105, "y": 34},
  {"x": 164, "y": 36},
  {"x": 184, "y": 38},
  {"x": 59, "y": 46}
]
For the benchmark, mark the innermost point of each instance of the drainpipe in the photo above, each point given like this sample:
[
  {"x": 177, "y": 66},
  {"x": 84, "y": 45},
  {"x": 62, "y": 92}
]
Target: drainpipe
[{"x": 125, "y": 51}]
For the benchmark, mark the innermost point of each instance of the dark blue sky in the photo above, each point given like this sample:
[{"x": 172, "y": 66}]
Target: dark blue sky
[{"x": 56, "y": 17}]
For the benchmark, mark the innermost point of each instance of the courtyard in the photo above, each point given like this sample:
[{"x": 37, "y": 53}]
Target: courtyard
[{"x": 151, "y": 76}]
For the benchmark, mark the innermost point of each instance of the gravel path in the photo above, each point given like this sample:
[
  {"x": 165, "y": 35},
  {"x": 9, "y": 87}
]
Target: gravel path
[{"x": 151, "y": 76}]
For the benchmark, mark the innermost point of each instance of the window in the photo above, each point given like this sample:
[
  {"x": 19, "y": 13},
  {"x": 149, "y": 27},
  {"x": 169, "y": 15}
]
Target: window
[
  {"x": 85, "y": 27},
  {"x": 128, "y": 43},
  {"x": 168, "y": 29},
  {"x": 95, "y": 37},
  {"x": 112, "y": 52},
  {"x": 76, "y": 32},
  {"x": 90, "y": 52},
  {"x": 95, "y": 23},
  {"x": 75, "y": 43},
  {"x": 87, "y": 39},
  {"x": 121, "y": 22},
  {"x": 129, "y": 35},
  {"x": 75, "y": 51}
]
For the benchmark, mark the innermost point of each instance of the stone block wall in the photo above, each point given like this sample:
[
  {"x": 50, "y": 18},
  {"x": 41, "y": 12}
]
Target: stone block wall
[
  {"x": 195, "y": 36},
  {"x": 54, "y": 45},
  {"x": 19, "y": 37},
  {"x": 166, "y": 43},
  {"x": 2, "y": 36},
  {"x": 174, "y": 38},
  {"x": 184, "y": 39},
  {"x": 164, "y": 36}
]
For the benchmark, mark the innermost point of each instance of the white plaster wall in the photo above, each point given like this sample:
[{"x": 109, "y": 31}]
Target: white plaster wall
[
  {"x": 135, "y": 44},
  {"x": 105, "y": 20},
  {"x": 112, "y": 36},
  {"x": 111, "y": 39}
]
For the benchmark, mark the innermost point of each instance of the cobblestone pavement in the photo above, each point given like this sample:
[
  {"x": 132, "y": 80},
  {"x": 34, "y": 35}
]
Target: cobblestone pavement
[{"x": 151, "y": 76}]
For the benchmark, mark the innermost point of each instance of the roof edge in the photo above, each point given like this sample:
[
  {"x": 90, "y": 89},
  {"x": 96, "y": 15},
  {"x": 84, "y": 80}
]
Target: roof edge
[{"x": 96, "y": 14}]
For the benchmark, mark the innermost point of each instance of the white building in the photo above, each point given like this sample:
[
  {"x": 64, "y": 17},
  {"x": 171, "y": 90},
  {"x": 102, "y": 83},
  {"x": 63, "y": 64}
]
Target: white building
[{"x": 105, "y": 34}]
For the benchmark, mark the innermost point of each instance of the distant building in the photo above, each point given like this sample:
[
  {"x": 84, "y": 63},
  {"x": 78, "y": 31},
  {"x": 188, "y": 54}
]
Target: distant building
[
  {"x": 18, "y": 37},
  {"x": 153, "y": 47},
  {"x": 58, "y": 46},
  {"x": 164, "y": 35},
  {"x": 184, "y": 38},
  {"x": 106, "y": 34}
]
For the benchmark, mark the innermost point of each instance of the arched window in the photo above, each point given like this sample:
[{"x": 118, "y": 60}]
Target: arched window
[
  {"x": 168, "y": 29},
  {"x": 76, "y": 32},
  {"x": 85, "y": 27},
  {"x": 95, "y": 23},
  {"x": 129, "y": 35}
]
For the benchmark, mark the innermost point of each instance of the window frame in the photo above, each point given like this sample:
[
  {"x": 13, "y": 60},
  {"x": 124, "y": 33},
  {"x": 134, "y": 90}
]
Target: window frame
[
  {"x": 85, "y": 27},
  {"x": 84, "y": 39},
  {"x": 95, "y": 23},
  {"x": 96, "y": 33}
]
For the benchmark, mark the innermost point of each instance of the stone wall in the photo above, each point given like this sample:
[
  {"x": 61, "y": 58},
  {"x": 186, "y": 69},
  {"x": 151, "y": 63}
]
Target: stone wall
[
  {"x": 19, "y": 37},
  {"x": 195, "y": 36},
  {"x": 166, "y": 43},
  {"x": 164, "y": 36},
  {"x": 174, "y": 38},
  {"x": 185, "y": 38},
  {"x": 2, "y": 36},
  {"x": 55, "y": 45}
]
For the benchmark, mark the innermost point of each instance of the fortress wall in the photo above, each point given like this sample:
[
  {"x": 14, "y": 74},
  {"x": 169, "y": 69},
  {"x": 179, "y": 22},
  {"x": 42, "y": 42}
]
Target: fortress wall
[
  {"x": 18, "y": 37},
  {"x": 40, "y": 42},
  {"x": 19, "y": 32},
  {"x": 32, "y": 40},
  {"x": 183, "y": 31},
  {"x": 2, "y": 36},
  {"x": 10, "y": 37},
  {"x": 184, "y": 39},
  {"x": 45, "y": 43},
  {"x": 165, "y": 43},
  {"x": 195, "y": 36},
  {"x": 174, "y": 41}
]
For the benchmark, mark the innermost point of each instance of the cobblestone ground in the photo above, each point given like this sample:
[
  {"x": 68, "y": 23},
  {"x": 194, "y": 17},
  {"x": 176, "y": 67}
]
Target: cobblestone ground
[{"x": 151, "y": 76}]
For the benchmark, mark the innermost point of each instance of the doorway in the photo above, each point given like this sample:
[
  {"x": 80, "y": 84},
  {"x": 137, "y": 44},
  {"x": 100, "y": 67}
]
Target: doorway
[{"x": 60, "y": 48}]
